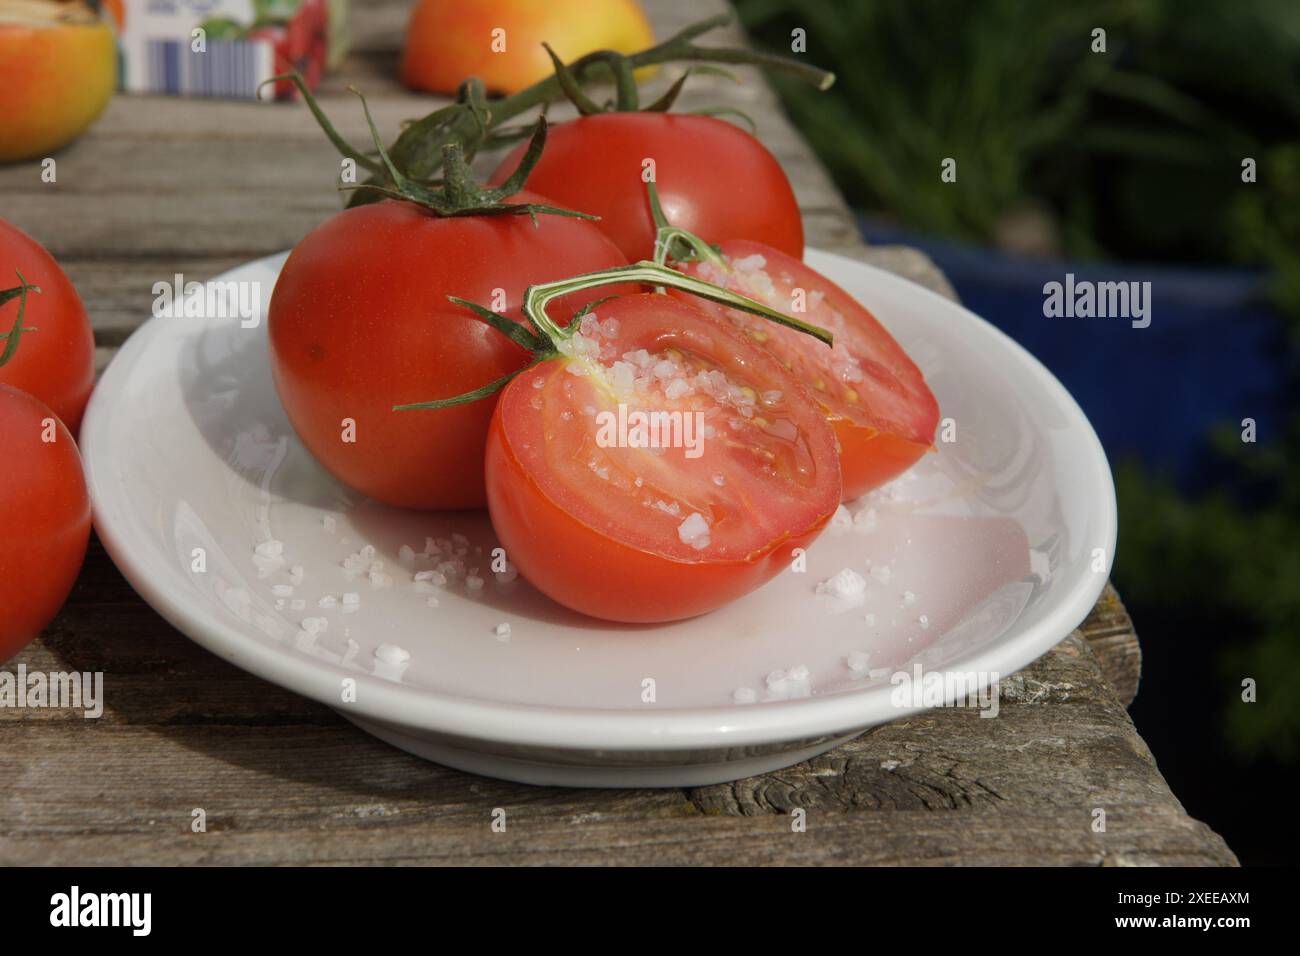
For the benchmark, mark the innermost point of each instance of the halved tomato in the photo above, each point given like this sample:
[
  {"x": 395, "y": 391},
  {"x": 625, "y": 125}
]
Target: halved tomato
[
  {"x": 873, "y": 394},
  {"x": 656, "y": 519}
]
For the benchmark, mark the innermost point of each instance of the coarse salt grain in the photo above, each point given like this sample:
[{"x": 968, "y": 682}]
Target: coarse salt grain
[
  {"x": 392, "y": 654},
  {"x": 788, "y": 685},
  {"x": 694, "y": 531},
  {"x": 865, "y": 520},
  {"x": 843, "y": 585}
]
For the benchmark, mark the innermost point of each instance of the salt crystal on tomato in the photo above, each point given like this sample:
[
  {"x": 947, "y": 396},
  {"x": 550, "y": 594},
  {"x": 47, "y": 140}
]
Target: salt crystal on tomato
[{"x": 694, "y": 531}]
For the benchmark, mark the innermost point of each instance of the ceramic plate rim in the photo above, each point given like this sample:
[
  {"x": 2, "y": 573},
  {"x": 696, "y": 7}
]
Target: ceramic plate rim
[{"x": 596, "y": 728}]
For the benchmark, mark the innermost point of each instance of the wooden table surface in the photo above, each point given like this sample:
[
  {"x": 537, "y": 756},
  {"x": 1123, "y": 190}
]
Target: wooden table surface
[{"x": 161, "y": 186}]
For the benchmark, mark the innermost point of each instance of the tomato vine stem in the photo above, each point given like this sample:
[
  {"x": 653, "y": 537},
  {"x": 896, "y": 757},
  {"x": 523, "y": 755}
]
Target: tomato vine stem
[
  {"x": 475, "y": 120},
  {"x": 460, "y": 195},
  {"x": 551, "y": 334},
  {"x": 666, "y": 234},
  {"x": 12, "y": 337}
]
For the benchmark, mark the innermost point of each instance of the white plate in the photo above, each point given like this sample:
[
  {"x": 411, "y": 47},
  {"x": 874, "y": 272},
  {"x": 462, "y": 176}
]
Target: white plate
[{"x": 997, "y": 536}]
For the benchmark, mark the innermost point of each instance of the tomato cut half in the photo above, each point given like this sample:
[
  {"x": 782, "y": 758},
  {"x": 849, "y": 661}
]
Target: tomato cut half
[
  {"x": 871, "y": 392},
  {"x": 660, "y": 468}
]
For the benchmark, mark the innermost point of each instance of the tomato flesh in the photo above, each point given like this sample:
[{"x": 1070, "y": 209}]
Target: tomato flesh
[
  {"x": 360, "y": 322},
  {"x": 608, "y": 526},
  {"x": 712, "y": 177},
  {"x": 46, "y": 518},
  {"x": 871, "y": 392}
]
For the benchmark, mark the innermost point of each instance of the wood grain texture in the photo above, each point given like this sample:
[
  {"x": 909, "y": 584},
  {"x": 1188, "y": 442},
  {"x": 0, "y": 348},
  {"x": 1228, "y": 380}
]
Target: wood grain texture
[
  {"x": 284, "y": 780},
  {"x": 161, "y": 186}
]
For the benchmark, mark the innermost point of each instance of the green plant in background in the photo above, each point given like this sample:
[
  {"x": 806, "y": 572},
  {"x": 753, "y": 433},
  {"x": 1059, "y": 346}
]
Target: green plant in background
[
  {"x": 1135, "y": 153},
  {"x": 918, "y": 82}
]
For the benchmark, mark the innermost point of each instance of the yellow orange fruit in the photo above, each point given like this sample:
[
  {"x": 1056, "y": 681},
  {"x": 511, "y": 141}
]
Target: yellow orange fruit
[
  {"x": 58, "y": 67},
  {"x": 500, "y": 41}
]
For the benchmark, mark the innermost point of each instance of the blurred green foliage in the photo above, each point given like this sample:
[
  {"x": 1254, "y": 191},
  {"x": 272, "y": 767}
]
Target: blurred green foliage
[{"x": 1135, "y": 153}]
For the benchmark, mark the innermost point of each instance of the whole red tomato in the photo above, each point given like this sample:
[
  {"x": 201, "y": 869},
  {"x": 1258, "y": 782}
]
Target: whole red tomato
[
  {"x": 46, "y": 521},
  {"x": 713, "y": 178},
  {"x": 611, "y": 526},
  {"x": 56, "y": 362},
  {"x": 360, "y": 322},
  {"x": 871, "y": 392}
]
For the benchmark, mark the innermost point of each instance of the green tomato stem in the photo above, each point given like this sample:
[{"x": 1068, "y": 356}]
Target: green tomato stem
[
  {"x": 551, "y": 334},
  {"x": 418, "y": 150},
  {"x": 15, "y": 334},
  {"x": 537, "y": 297}
]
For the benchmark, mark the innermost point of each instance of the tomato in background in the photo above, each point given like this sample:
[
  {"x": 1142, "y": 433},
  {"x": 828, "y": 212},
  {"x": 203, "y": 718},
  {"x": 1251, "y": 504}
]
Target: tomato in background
[
  {"x": 360, "y": 322},
  {"x": 713, "y": 179},
  {"x": 46, "y": 519},
  {"x": 55, "y": 363},
  {"x": 450, "y": 40},
  {"x": 641, "y": 534},
  {"x": 56, "y": 79},
  {"x": 874, "y": 396},
  {"x": 118, "y": 11}
]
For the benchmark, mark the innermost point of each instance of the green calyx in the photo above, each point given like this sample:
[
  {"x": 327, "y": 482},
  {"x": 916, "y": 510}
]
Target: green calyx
[
  {"x": 459, "y": 194},
  {"x": 545, "y": 342},
  {"x": 475, "y": 122},
  {"x": 16, "y": 332}
]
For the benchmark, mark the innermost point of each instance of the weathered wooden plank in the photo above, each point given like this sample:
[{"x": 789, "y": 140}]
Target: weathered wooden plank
[
  {"x": 1138, "y": 836},
  {"x": 947, "y": 786},
  {"x": 299, "y": 784},
  {"x": 1110, "y": 634}
]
